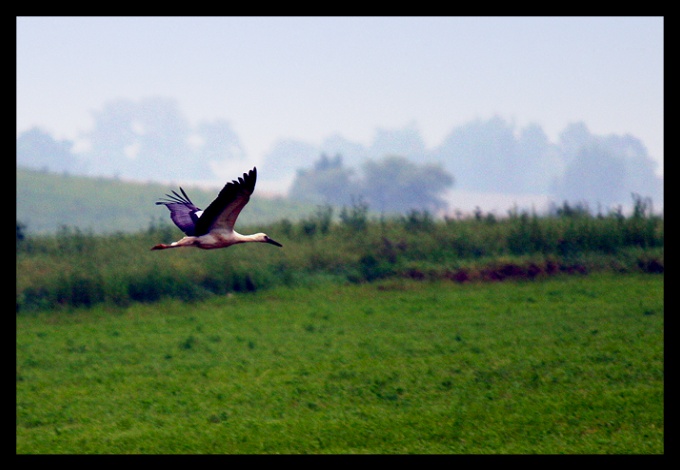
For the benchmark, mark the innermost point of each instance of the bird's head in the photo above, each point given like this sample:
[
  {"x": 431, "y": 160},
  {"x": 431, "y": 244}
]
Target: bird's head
[{"x": 264, "y": 238}]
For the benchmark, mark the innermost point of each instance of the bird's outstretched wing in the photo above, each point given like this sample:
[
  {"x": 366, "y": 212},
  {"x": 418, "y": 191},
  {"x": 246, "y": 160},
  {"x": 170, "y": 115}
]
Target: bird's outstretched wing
[
  {"x": 223, "y": 211},
  {"x": 183, "y": 212}
]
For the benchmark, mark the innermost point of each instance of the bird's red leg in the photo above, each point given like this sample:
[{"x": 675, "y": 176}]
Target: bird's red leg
[{"x": 186, "y": 241}]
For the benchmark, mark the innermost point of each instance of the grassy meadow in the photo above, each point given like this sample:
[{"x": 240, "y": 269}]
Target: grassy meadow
[
  {"x": 565, "y": 364},
  {"x": 360, "y": 335}
]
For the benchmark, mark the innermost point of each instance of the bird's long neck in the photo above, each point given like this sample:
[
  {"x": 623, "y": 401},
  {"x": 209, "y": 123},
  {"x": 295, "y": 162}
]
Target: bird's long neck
[{"x": 239, "y": 238}]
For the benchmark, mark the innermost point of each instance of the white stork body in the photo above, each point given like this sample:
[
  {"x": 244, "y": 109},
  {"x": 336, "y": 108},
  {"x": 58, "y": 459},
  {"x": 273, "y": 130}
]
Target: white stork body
[
  {"x": 217, "y": 239},
  {"x": 214, "y": 227}
]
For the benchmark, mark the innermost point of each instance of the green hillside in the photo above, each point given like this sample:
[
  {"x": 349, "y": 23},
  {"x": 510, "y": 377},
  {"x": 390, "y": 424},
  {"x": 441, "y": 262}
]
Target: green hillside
[{"x": 47, "y": 201}]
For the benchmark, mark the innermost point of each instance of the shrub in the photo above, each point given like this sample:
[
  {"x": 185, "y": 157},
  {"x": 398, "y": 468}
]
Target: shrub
[
  {"x": 76, "y": 268},
  {"x": 356, "y": 217},
  {"x": 416, "y": 220}
]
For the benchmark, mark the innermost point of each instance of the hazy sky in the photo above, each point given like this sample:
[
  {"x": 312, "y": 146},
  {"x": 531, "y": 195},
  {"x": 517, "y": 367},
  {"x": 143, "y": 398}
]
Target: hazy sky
[{"x": 308, "y": 78}]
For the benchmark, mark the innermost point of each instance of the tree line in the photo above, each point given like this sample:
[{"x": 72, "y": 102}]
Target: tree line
[
  {"x": 152, "y": 139},
  {"x": 392, "y": 184}
]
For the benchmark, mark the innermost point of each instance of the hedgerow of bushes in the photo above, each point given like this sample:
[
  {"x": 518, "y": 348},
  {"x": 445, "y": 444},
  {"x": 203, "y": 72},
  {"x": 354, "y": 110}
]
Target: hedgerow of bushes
[{"x": 73, "y": 268}]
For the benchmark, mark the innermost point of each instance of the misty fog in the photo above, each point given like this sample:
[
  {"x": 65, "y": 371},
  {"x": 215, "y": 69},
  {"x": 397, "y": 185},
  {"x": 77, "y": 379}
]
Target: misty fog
[{"x": 151, "y": 139}]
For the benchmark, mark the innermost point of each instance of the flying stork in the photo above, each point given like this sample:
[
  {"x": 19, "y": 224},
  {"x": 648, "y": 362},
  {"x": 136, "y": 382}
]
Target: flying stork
[{"x": 214, "y": 227}]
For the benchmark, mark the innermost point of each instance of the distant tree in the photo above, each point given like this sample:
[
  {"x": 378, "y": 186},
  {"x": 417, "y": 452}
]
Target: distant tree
[
  {"x": 286, "y": 157},
  {"x": 218, "y": 141},
  {"x": 392, "y": 184},
  {"x": 594, "y": 175},
  {"x": 604, "y": 169},
  {"x": 572, "y": 139},
  {"x": 537, "y": 161},
  {"x": 164, "y": 142},
  {"x": 324, "y": 163},
  {"x": 39, "y": 150},
  {"x": 395, "y": 184},
  {"x": 144, "y": 139},
  {"x": 640, "y": 175},
  {"x": 353, "y": 153},
  {"x": 483, "y": 156},
  {"x": 327, "y": 182},
  {"x": 215, "y": 143},
  {"x": 406, "y": 142},
  {"x": 114, "y": 132}
]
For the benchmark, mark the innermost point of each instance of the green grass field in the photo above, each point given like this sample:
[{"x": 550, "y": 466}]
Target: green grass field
[{"x": 559, "y": 365}]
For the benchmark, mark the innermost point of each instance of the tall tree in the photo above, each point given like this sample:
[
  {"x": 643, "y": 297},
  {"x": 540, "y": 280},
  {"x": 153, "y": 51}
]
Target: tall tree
[
  {"x": 595, "y": 176},
  {"x": 483, "y": 156},
  {"x": 604, "y": 169},
  {"x": 353, "y": 153},
  {"x": 537, "y": 161},
  {"x": 144, "y": 139},
  {"x": 395, "y": 184},
  {"x": 328, "y": 182},
  {"x": 406, "y": 142}
]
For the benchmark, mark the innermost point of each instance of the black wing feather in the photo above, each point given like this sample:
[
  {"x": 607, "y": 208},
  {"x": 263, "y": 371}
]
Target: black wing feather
[
  {"x": 182, "y": 211},
  {"x": 242, "y": 188}
]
